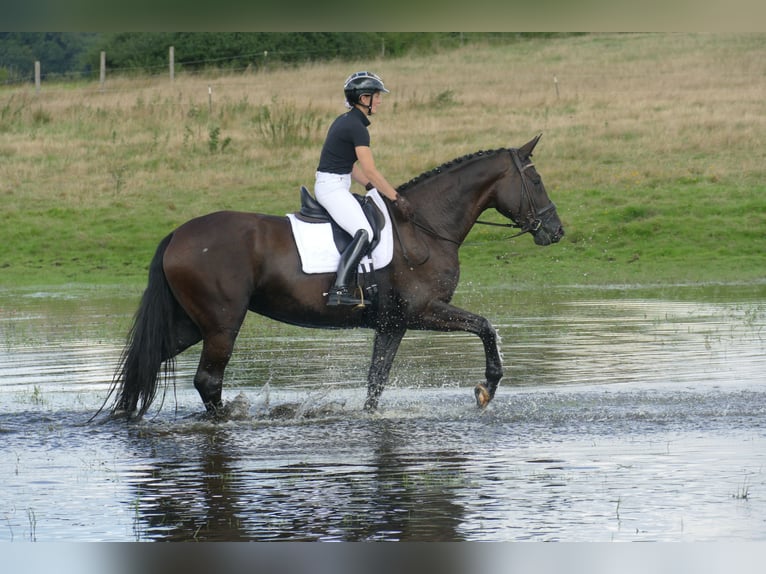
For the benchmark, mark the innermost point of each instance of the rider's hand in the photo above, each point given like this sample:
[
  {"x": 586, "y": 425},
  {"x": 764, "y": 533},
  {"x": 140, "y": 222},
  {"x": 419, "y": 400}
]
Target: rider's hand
[{"x": 404, "y": 206}]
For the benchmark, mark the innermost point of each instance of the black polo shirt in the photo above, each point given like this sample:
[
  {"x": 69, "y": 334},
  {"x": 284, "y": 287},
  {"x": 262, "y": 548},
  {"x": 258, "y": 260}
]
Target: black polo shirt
[{"x": 348, "y": 131}]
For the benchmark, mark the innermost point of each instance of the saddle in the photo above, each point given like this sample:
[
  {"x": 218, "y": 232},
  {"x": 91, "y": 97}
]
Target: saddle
[{"x": 312, "y": 212}]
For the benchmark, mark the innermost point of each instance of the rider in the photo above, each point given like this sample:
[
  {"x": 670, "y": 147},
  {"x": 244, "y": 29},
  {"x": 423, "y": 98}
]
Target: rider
[{"x": 346, "y": 156}]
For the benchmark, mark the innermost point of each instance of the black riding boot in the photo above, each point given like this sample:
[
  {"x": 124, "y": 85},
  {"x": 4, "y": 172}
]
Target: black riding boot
[{"x": 341, "y": 292}]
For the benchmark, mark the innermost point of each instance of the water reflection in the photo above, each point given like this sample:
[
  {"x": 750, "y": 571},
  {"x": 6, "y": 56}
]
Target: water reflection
[
  {"x": 185, "y": 488},
  {"x": 413, "y": 499},
  {"x": 203, "y": 482}
]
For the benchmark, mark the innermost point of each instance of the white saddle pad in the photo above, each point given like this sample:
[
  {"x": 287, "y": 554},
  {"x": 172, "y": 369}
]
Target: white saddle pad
[{"x": 317, "y": 250}]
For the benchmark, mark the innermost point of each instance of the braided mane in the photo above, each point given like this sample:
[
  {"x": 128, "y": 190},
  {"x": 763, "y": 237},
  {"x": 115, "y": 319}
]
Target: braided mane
[{"x": 446, "y": 166}]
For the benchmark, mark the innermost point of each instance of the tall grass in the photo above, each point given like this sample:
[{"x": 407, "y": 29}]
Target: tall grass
[
  {"x": 654, "y": 150},
  {"x": 287, "y": 125}
]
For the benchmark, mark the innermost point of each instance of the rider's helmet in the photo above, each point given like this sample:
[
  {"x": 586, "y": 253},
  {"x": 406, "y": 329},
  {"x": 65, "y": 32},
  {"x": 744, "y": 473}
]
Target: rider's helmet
[{"x": 361, "y": 83}]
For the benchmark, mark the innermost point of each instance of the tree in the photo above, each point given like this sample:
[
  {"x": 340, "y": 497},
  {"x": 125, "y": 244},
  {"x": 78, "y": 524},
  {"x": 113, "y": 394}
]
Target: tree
[{"x": 58, "y": 52}]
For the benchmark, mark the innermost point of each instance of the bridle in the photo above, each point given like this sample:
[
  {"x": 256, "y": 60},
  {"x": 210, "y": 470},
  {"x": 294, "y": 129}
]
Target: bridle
[{"x": 534, "y": 216}]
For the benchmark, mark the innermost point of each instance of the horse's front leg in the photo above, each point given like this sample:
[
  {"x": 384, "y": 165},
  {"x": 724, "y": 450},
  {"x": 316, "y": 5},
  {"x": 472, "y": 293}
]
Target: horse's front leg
[
  {"x": 441, "y": 316},
  {"x": 383, "y": 353}
]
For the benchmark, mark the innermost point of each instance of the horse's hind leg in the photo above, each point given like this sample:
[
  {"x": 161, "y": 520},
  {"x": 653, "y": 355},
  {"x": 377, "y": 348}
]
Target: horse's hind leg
[{"x": 216, "y": 352}]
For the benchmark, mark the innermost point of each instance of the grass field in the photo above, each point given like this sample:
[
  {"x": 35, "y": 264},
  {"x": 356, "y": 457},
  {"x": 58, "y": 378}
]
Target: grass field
[{"x": 654, "y": 150}]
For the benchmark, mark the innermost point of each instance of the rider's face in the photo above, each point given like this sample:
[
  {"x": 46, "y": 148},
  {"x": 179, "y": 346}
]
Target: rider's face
[{"x": 376, "y": 100}]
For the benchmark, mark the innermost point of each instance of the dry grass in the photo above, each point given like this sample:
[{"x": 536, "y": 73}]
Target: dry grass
[
  {"x": 629, "y": 108},
  {"x": 627, "y": 113}
]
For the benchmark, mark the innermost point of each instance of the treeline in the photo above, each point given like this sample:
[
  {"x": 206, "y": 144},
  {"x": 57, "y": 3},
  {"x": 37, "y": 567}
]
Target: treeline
[
  {"x": 67, "y": 54},
  {"x": 58, "y": 52}
]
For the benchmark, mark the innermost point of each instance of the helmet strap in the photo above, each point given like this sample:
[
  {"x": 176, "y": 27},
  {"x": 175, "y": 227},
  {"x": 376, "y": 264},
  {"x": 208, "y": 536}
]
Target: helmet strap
[{"x": 369, "y": 106}]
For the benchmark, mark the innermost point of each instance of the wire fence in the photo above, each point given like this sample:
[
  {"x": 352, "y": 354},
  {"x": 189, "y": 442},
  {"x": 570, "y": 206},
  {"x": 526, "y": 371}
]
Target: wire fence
[{"x": 258, "y": 60}]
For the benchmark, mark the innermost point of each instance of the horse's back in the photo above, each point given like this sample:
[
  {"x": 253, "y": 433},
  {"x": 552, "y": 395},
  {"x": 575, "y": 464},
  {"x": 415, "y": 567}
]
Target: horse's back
[
  {"x": 230, "y": 229},
  {"x": 223, "y": 244},
  {"x": 220, "y": 225}
]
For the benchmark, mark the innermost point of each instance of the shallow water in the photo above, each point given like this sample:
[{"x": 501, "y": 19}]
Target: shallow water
[{"x": 625, "y": 414}]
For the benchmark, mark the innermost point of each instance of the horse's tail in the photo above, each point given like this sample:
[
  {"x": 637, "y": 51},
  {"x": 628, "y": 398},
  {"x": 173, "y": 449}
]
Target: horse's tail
[{"x": 150, "y": 344}]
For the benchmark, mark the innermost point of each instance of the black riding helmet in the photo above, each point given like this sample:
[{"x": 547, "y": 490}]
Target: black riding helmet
[{"x": 361, "y": 83}]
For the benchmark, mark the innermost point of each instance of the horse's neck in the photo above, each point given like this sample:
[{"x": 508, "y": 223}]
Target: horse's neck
[{"x": 452, "y": 201}]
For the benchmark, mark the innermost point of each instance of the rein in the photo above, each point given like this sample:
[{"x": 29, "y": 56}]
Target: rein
[
  {"x": 511, "y": 225},
  {"x": 432, "y": 232},
  {"x": 536, "y": 222}
]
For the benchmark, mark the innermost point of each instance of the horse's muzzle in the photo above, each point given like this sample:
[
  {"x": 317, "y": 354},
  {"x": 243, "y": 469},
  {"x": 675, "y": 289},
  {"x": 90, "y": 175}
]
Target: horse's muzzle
[
  {"x": 550, "y": 229},
  {"x": 542, "y": 237}
]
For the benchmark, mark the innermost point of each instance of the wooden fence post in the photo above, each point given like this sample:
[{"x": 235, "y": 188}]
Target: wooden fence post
[
  {"x": 37, "y": 76},
  {"x": 102, "y": 75},
  {"x": 172, "y": 58}
]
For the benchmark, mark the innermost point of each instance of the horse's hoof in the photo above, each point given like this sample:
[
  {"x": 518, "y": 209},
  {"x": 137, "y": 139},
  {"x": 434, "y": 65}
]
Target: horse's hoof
[{"x": 481, "y": 392}]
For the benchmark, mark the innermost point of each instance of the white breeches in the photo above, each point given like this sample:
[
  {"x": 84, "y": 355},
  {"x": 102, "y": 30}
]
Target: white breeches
[{"x": 333, "y": 192}]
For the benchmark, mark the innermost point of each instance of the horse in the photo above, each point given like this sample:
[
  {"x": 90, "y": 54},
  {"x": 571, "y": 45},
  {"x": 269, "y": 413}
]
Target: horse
[{"x": 210, "y": 271}]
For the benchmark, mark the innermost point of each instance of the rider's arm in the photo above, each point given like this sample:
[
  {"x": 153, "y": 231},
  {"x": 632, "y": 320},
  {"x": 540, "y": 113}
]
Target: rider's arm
[{"x": 367, "y": 172}]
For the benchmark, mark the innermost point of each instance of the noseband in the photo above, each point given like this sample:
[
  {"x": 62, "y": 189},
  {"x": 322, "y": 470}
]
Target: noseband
[{"x": 534, "y": 216}]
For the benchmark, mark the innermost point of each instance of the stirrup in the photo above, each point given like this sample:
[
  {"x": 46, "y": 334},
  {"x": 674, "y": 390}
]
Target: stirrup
[{"x": 343, "y": 296}]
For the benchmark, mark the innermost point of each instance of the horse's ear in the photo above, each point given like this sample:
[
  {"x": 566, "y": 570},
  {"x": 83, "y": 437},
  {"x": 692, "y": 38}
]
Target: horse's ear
[{"x": 526, "y": 149}]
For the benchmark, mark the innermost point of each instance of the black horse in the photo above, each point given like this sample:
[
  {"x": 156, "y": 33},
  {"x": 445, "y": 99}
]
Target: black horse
[{"x": 211, "y": 270}]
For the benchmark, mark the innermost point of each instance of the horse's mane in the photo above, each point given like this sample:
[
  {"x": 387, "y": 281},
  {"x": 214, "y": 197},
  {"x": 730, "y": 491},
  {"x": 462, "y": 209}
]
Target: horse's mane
[{"x": 445, "y": 167}]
